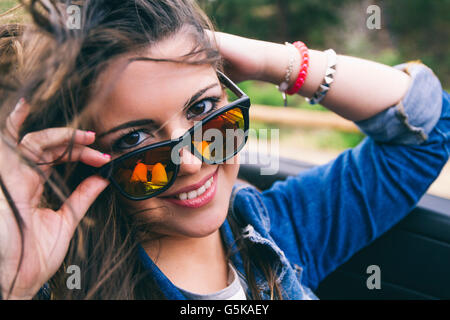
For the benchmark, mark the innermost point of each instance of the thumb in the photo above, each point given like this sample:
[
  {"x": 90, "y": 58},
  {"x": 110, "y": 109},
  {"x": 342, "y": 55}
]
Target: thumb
[{"x": 82, "y": 198}]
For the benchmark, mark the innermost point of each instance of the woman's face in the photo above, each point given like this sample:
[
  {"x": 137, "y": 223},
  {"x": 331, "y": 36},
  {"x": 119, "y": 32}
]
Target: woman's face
[{"x": 159, "y": 95}]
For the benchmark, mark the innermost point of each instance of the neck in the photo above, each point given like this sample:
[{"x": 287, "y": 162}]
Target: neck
[{"x": 183, "y": 259}]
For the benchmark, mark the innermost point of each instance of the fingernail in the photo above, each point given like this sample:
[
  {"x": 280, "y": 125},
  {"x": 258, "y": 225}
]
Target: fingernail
[
  {"x": 19, "y": 103},
  {"x": 105, "y": 155},
  {"x": 90, "y": 132}
]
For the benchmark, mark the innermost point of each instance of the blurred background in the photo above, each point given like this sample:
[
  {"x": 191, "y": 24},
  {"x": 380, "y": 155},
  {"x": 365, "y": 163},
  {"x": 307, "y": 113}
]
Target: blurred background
[{"x": 409, "y": 30}]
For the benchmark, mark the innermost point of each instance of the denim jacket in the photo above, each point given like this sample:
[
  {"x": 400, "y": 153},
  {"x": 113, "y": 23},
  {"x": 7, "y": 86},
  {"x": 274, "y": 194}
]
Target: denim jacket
[{"x": 317, "y": 220}]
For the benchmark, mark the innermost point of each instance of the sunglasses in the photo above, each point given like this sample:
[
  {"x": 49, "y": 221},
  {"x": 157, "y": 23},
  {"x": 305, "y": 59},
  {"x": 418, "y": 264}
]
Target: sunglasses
[{"x": 149, "y": 171}]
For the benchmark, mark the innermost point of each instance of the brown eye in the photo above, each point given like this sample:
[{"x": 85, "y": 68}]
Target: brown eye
[
  {"x": 131, "y": 140},
  {"x": 202, "y": 108}
]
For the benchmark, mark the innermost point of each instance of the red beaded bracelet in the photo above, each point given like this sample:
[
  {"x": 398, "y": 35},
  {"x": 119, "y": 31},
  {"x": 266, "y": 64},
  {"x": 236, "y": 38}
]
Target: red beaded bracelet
[{"x": 303, "y": 70}]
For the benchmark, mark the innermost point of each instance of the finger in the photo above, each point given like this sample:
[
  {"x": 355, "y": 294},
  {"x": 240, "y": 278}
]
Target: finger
[
  {"x": 16, "y": 119},
  {"x": 79, "y": 153},
  {"x": 35, "y": 144},
  {"x": 81, "y": 199},
  {"x": 53, "y": 137}
]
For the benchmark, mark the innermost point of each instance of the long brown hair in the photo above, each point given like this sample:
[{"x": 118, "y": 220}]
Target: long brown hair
[{"x": 55, "y": 69}]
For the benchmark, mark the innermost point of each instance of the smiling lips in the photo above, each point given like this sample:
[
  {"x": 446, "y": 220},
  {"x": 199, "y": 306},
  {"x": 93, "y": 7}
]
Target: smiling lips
[
  {"x": 197, "y": 195},
  {"x": 198, "y": 192}
]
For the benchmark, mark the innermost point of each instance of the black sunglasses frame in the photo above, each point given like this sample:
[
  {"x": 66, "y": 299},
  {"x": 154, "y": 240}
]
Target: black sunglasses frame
[{"x": 242, "y": 102}]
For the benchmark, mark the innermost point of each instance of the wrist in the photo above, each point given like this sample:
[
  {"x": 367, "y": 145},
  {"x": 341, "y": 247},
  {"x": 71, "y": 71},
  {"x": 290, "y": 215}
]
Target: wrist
[
  {"x": 317, "y": 68},
  {"x": 276, "y": 61}
]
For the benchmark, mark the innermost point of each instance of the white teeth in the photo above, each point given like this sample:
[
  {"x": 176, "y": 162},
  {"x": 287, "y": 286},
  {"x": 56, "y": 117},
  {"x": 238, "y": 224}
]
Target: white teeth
[
  {"x": 201, "y": 190},
  {"x": 183, "y": 196},
  {"x": 192, "y": 194},
  {"x": 195, "y": 193}
]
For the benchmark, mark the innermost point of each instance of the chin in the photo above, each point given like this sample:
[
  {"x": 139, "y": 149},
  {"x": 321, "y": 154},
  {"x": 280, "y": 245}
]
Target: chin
[{"x": 203, "y": 221}]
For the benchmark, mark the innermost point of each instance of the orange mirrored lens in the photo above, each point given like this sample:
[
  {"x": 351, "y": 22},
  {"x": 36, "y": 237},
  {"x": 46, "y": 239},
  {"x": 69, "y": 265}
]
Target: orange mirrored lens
[
  {"x": 222, "y": 136},
  {"x": 146, "y": 173},
  {"x": 203, "y": 148}
]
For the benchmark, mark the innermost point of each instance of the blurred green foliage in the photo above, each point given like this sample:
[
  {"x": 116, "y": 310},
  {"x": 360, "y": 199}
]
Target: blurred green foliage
[
  {"x": 420, "y": 29},
  {"x": 6, "y": 4},
  {"x": 16, "y": 16},
  {"x": 274, "y": 20}
]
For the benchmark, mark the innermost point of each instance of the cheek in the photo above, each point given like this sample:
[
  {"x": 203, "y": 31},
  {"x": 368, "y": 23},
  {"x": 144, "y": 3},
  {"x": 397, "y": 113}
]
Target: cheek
[
  {"x": 230, "y": 171},
  {"x": 232, "y": 166},
  {"x": 228, "y": 178}
]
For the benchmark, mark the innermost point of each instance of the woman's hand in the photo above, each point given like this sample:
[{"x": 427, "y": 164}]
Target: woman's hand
[{"x": 46, "y": 233}]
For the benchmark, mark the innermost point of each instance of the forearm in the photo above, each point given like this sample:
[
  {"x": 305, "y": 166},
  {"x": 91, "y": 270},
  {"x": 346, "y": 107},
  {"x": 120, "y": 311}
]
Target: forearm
[{"x": 361, "y": 88}]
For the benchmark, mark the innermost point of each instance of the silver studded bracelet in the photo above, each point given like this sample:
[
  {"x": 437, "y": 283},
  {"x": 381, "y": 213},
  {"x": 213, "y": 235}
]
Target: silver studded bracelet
[{"x": 320, "y": 94}]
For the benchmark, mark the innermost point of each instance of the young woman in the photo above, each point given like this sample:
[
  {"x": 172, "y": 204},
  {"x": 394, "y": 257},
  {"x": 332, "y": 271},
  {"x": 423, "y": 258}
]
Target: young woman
[{"x": 101, "y": 169}]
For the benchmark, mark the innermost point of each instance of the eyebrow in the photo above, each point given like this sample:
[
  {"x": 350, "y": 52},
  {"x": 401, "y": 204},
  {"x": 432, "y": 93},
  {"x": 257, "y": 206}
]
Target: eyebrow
[
  {"x": 130, "y": 124},
  {"x": 144, "y": 122}
]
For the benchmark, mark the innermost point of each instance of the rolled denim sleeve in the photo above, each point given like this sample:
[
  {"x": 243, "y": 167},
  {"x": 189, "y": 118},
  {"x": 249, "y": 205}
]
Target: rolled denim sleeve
[
  {"x": 323, "y": 216},
  {"x": 412, "y": 119}
]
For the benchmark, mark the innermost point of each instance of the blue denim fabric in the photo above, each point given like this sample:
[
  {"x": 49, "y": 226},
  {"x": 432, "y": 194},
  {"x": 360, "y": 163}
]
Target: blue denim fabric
[
  {"x": 407, "y": 122},
  {"x": 317, "y": 220}
]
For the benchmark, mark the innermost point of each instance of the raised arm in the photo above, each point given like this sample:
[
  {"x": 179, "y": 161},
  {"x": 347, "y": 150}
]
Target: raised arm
[
  {"x": 323, "y": 216},
  {"x": 361, "y": 89}
]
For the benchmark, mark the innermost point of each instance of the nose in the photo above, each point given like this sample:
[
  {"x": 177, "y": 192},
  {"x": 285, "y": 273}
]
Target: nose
[{"x": 190, "y": 164}]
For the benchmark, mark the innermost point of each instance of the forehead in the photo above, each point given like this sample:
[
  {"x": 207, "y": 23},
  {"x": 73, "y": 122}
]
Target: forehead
[{"x": 149, "y": 89}]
